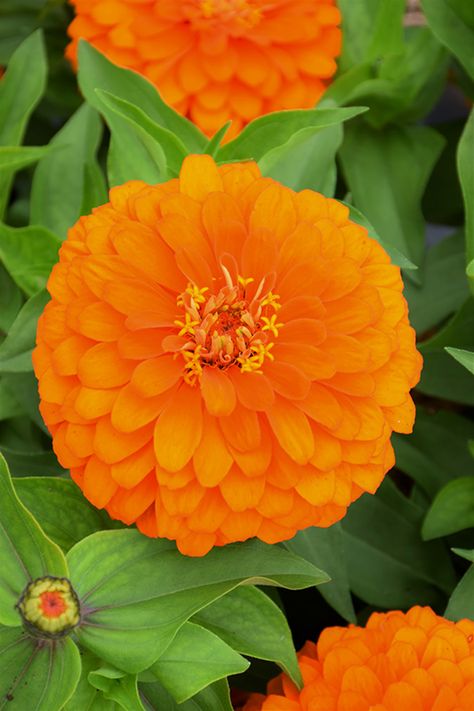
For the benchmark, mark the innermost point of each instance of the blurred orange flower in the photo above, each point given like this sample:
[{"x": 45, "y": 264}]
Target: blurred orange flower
[
  {"x": 215, "y": 60},
  {"x": 399, "y": 662},
  {"x": 223, "y": 358}
]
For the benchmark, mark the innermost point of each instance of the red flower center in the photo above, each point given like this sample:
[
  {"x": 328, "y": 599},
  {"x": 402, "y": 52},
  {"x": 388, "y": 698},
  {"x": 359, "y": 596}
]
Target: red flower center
[
  {"x": 231, "y": 327},
  {"x": 52, "y": 604}
]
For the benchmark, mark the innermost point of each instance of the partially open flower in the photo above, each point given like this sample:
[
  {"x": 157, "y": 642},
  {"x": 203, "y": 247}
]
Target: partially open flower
[
  {"x": 49, "y": 607},
  {"x": 398, "y": 662},
  {"x": 215, "y": 60},
  {"x": 223, "y": 358}
]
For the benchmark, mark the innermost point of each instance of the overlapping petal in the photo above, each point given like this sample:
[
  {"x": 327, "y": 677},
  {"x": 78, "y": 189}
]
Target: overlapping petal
[
  {"x": 211, "y": 394},
  {"x": 416, "y": 661},
  {"x": 215, "y": 60}
]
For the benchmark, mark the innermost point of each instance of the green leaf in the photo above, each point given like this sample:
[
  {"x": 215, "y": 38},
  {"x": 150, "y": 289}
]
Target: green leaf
[
  {"x": 387, "y": 173},
  {"x": 15, "y": 350},
  {"x": 96, "y": 72},
  {"x": 465, "y": 164},
  {"x": 437, "y": 449},
  {"x": 195, "y": 659},
  {"x": 25, "y": 551},
  {"x": 87, "y": 697},
  {"x": 265, "y": 133},
  {"x": 453, "y": 23},
  {"x": 250, "y": 622},
  {"x": 37, "y": 462},
  {"x": 461, "y": 602},
  {"x": 393, "y": 571},
  {"x": 215, "y": 142},
  {"x": 395, "y": 255},
  {"x": 215, "y": 698},
  {"x": 154, "y": 137},
  {"x": 133, "y": 613},
  {"x": 442, "y": 376},
  {"x": 117, "y": 686},
  {"x": 63, "y": 512},
  {"x": 10, "y": 300},
  {"x": 58, "y": 183},
  {"x": 466, "y": 358},
  {"x": 29, "y": 254},
  {"x": 14, "y": 158},
  {"x": 24, "y": 388},
  {"x": 20, "y": 90},
  {"x": 452, "y": 510},
  {"x": 325, "y": 547},
  {"x": 444, "y": 287},
  {"x": 306, "y": 161},
  {"x": 37, "y": 675},
  {"x": 9, "y": 405}
]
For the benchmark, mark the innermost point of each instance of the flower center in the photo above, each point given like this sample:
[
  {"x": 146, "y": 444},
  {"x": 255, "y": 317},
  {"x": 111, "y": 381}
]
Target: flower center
[
  {"x": 232, "y": 16},
  {"x": 49, "y": 607},
  {"x": 227, "y": 328}
]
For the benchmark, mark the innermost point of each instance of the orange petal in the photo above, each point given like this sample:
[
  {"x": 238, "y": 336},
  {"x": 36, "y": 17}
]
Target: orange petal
[
  {"x": 287, "y": 380},
  {"x": 98, "y": 485},
  {"x": 132, "y": 410},
  {"x": 112, "y": 446},
  {"x": 211, "y": 459},
  {"x": 253, "y": 389},
  {"x": 129, "y": 505},
  {"x": 199, "y": 176},
  {"x": 155, "y": 376},
  {"x": 132, "y": 470},
  {"x": 218, "y": 392},
  {"x": 101, "y": 322},
  {"x": 291, "y": 428},
  {"x": 179, "y": 429},
  {"x": 321, "y": 405},
  {"x": 241, "y": 493},
  {"x": 92, "y": 403},
  {"x": 241, "y": 429},
  {"x": 103, "y": 367}
]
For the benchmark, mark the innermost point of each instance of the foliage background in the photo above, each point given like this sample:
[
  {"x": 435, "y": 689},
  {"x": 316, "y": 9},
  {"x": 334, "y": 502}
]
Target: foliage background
[{"x": 406, "y": 165}]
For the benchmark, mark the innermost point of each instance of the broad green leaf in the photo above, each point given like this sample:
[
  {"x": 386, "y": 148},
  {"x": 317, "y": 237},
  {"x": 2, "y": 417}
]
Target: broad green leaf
[
  {"x": 134, "y": 613},
  {"x": 10, "y": 300},
  {"x": 29, "y": 254},
  {"x": 59, "y": 179},
  {"x": 16, "y": 349},
  {"x": 436, "y": 451},
  {"x": 465, "y": 164},
  {"x": 34, "y": 462},
  {"x": 62, "y": 511},
  {"x": 444, "y": 287},
  {"x": 370, "y": 28},
  {"x": 265, "y": 133},
  {"x": 215, "y": 698},
  {"x": 195, "y": 659},
  {"x": 87, "y": 697},
  {"x": 453, "y": 23},
  {"x": 452, "y": 510},
  {"x": 395, "y": 255},
  {"x": 9, "y": 405},
  {"x": 96, "y": 72},
  {"x": 387, "y": 173},
  {"x": 215, "y": 142},
  {"x": 24, "y": 388},
  {"x": 325, "y": 547},
  {"x": 94, "y": 191},
  {"x": 117, "y": 686},
  {"x": 466, "y": 358},
  {"x": 14, "y": 158},
  {"x": 25, "y": 551},
  {"x": 307, "y": 160},
  {"x": 37, "y": 675},
  {"x": 20, "y": 90},
  {"x": 461, "y": 602},
  {"x": 442, "y": 375},
  {"x": 252, "y": 624},
  {"x": 393, "y": 571},
  {"x": 172, "y": 148}
]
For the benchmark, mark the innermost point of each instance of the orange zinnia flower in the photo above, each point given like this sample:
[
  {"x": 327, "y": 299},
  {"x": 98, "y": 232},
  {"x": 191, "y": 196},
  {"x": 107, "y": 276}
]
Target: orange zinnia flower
[
  {"x": 215, "y": 60},
  {"x": 224, "y": 358},
  {"x": 416, "y": 661}
]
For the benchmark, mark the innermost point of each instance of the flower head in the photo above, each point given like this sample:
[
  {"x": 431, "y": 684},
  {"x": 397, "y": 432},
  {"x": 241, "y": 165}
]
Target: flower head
[
  {"x": 49, "y": 607},
  {"x": 224, "y": 358},
  {"x": 215, "y": 60},
  {"x": 398, "y": 662}
]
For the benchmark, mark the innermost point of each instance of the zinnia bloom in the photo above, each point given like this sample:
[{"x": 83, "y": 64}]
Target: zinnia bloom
[
  {"x": 416, "y": 661},
  {"x": 224, "y": 358},
  {"x": 215, "y": 60}
]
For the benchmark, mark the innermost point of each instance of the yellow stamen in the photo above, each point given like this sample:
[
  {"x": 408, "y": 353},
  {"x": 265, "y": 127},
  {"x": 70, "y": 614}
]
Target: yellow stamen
[
  {"x": 271, "y": 325},
  {"x": 187, "y": 326}
]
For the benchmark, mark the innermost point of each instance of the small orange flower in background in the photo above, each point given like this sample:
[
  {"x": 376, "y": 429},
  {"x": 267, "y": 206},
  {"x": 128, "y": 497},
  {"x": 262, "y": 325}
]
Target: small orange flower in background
[
  {"x": 215, "y": 60},
  {"x": 224, "y": 358},
  {"x": 416, "y": 661}
]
